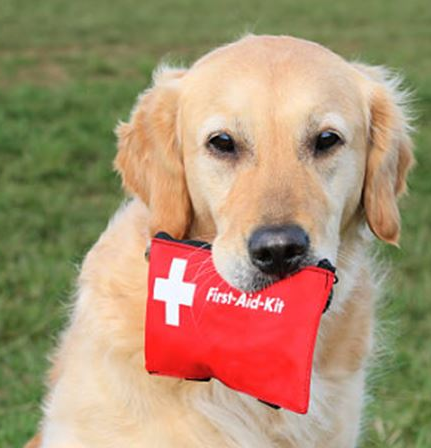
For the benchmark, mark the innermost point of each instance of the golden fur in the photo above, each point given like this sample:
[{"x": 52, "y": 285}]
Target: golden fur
[{"x": 272, "y": 94}]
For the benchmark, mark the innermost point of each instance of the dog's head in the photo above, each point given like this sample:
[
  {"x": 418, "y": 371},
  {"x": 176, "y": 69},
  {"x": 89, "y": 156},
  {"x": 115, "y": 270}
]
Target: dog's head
[{"x": 271, "y": 147}]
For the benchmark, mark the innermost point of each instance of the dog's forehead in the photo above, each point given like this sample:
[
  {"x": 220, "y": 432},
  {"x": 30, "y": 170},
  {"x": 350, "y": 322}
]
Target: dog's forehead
[
  {"x": 261, "y": 70},
  {"x": 268, "y": 49}
]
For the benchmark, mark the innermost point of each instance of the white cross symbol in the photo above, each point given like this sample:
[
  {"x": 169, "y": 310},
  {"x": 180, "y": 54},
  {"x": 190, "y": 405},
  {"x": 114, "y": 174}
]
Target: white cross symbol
[{"x": 174, "y": 291}]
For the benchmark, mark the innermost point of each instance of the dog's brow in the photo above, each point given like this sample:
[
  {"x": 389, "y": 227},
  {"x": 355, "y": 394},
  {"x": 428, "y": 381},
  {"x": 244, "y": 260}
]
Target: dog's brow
[
  {"x": 211, "y": 124},
  {"x": 337, "y": 122}
]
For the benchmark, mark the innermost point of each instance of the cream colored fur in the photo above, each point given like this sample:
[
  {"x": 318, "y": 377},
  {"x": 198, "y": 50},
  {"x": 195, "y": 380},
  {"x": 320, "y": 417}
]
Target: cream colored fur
[{"x": 99, "y": 393}]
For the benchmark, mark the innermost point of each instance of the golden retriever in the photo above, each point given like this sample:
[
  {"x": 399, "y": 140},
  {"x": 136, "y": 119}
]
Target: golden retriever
[{"x": 272, "y": 136}]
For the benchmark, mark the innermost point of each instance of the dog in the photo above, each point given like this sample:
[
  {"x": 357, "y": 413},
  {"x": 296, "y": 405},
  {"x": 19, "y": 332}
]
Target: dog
[{"x": 280, "y": 153}]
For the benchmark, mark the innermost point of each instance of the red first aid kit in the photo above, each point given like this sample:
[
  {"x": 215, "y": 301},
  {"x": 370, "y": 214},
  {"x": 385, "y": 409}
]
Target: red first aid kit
[{"x": 199, "y": 327}]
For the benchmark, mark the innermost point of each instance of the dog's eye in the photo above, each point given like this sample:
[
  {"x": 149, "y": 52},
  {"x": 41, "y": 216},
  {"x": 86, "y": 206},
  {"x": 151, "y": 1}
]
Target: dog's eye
[
  {"x": 222, "y": 142},
  {"x": 325, "y": 141}
]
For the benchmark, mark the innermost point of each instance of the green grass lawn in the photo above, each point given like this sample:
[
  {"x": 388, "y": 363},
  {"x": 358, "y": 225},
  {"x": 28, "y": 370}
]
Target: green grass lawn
[{"x": 70, "y": 70}]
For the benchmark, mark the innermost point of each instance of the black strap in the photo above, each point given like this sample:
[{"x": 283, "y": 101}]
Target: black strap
[
  {"x": 165, "y": 236},
  {"x": 271, "y": 405},
  {"x": 326, "y": 264}
]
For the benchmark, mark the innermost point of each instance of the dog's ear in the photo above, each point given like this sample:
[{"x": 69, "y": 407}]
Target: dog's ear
[
  {"x": 149, "y": 158},
  {"x": 389, "y": 155}
]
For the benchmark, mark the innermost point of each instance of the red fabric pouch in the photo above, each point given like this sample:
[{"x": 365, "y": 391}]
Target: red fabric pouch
[{"x": 199, "y": 327}]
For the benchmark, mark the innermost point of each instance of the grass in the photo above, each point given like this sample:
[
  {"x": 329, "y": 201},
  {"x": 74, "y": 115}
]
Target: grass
[{"x": 70, "y": 70}]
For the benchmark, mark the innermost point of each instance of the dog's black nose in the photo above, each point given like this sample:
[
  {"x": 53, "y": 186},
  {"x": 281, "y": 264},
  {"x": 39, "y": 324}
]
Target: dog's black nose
[{"x": 278, "y": 250}]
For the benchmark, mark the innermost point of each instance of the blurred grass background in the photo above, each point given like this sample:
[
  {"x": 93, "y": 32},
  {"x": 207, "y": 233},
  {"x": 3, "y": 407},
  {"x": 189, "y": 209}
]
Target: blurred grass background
[{"x": 70, "y": 70}]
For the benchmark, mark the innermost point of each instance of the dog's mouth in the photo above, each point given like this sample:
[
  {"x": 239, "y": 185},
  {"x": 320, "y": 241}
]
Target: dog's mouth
[{"x": 246, "y": 277}]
